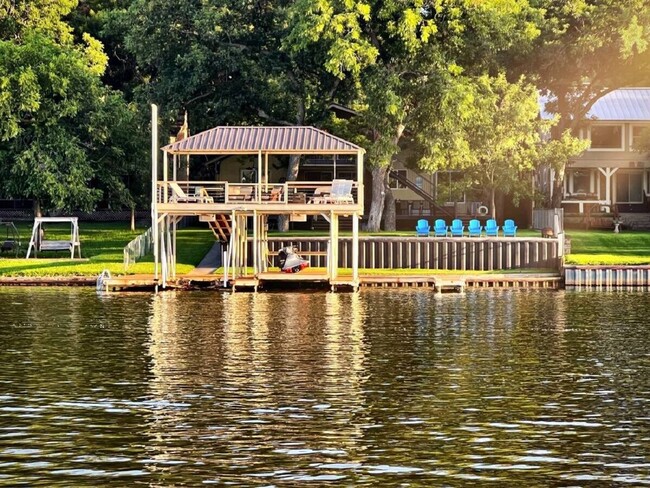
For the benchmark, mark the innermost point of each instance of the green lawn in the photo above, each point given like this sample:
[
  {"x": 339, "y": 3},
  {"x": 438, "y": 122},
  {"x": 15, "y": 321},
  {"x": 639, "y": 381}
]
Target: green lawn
[
  {"x": 102, "y": 245},
  {"x": 607, "y": 248}
]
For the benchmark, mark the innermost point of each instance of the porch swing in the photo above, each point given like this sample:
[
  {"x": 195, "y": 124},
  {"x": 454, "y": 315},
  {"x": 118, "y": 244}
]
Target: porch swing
[
  {"x": 11, "y": 242},
  {"x": 39, "y": 243}
]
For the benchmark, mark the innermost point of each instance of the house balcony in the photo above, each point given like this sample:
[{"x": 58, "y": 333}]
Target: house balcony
[{"x": 295, "y": 197}]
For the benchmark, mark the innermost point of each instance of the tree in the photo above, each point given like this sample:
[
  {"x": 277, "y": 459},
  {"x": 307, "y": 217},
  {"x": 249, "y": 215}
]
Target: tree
[
  {"x": 403, "y": 55},
  {"x": 228, "y": 63},
  {"x": 587, "y": 48},
  {"x": 57, "y": 121},
  {"x": 492, "y": 133}
]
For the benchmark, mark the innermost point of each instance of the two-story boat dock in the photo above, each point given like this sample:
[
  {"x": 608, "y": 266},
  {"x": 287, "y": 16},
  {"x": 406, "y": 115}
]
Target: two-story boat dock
[{"x": 238, "y": 212}]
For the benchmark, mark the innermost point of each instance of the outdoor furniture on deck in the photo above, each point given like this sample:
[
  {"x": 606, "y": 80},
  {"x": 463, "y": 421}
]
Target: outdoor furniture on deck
[
  {"x": 321, "y": 195},
  {"x": 491, "y": 228},
  {"x": 440, "y": 228},
  {"x": 179, "y": 196},
  {"x": 240, "y": 193},
  {"x": 474, "y": 228},
  {"x": 457, "y": 228},
  {"x": 422, "y": 228},
  {"x": 509, "y": 228}
]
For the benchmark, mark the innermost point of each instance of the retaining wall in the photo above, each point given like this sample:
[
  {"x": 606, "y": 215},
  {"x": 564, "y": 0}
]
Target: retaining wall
[{"x": 462, "y": 253}]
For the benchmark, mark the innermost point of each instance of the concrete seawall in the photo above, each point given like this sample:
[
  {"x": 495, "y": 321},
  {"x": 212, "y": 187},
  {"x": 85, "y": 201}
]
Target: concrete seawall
[{"x": 607, "y": 276}]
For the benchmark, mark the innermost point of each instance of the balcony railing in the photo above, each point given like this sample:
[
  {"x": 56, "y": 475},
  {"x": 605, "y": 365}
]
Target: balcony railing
[{"x": 223, "y": 192}]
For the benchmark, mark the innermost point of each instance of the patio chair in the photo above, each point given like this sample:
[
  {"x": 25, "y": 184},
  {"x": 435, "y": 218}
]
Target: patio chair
[
  {"x": 474, "y": 228},
  {"x": 509, "y": 228},
  {"x": 341, "y": 191},
  {"x": 202, "y": 195},
  {"x": 440, "y": 228},
  {"x": 179, "y": 196},
  {"x": 423, "y": 228},
  {"x": 491, "y": 228},
  {"x": 457, "y": 228}
]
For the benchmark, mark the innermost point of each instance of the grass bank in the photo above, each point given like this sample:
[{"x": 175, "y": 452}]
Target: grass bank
[
  {"x": 595, "y": 247},
  {"x": 102, "y": 247}
]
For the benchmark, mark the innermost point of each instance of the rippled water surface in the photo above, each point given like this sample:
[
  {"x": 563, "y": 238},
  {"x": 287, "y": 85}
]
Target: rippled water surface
[{"x": 381, "y": 388}]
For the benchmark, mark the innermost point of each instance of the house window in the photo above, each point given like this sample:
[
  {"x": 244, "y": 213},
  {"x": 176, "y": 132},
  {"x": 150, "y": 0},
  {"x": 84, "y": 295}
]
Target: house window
[
  {"x": 637, "y": 133},
  {"x": 629, "y": 187},
  {"x": 581, "y": 181},
  {"x": 395, "y": 184},
  {"x": 419, "y": 182},
  {"x": 607, "y": 137}
]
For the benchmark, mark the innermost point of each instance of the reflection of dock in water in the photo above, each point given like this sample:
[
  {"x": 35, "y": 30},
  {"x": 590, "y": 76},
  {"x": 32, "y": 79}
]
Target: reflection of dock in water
[{"x": 316, "y": 278}]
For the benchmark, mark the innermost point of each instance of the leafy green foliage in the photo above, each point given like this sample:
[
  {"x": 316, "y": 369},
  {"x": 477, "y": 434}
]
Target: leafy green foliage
[
  {"x": 59, "y": 127},
  {"x": 404, "y": 56},
  {"x": 494, "y": 137}
]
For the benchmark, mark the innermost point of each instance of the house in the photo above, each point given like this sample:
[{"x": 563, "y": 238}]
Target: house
[{"x": 611, "y": 177}]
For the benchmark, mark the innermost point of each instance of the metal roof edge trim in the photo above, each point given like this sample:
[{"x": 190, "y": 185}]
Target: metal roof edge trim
[{"x": 353, "y": 149}]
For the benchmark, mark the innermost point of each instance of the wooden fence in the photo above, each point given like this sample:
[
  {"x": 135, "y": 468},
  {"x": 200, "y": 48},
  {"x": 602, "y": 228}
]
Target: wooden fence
[
  {"x": 463, "y": 253},
  {"x": 549, "y": 218}
]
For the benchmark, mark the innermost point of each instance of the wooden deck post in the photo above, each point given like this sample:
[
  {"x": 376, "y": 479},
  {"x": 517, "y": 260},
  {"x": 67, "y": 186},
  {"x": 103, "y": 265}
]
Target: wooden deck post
[
  {"x": 355, "y": 249},
  {"x": 154, "y": 185}
]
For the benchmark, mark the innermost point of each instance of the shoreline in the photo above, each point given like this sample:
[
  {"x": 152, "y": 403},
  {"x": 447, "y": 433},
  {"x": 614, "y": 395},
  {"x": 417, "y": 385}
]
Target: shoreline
[{"x": 569, "y": 276}]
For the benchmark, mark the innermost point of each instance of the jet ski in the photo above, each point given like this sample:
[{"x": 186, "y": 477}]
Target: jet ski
[{"x": 290, "y": 260}]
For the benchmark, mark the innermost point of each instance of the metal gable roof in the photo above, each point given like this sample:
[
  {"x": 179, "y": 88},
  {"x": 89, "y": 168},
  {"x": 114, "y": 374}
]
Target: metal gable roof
[
  {"x": 624, "y": 104},
  {"x": 277, "y": 140}
]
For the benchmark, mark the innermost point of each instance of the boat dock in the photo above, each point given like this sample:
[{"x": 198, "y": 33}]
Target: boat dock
[{"x": 317, "y": 279}]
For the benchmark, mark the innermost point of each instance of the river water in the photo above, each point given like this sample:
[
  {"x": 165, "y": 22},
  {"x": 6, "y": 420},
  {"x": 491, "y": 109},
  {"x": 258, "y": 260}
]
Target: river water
[{"x": 380, "y": 388}]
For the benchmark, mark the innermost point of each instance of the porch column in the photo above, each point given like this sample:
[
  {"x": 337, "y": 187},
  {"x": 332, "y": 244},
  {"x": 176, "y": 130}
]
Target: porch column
[
  {"x": 608, "y": 173},
  {"x": 258, "y": 189},
  {"x": 360, "y": 191}
]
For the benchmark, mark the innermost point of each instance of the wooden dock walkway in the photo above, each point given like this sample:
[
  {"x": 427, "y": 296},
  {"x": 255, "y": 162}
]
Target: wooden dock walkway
[{"x": 316, "y": 278}]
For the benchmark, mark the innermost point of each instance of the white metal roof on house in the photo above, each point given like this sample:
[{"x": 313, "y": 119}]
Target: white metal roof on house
[
  {"x": 620, "y": 105},
  {"x": 274, "y": 140}
]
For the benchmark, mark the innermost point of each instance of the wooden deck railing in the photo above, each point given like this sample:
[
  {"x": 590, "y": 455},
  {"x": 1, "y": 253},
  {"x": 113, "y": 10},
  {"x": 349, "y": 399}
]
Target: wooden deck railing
[{"x": 223, "y": 192}]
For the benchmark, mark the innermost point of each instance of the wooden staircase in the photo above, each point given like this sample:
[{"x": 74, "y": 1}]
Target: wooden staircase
[{"x": 220, "y": 226}]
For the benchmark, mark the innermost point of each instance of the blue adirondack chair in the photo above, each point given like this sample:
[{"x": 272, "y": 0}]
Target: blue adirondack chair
[
  {"x": 491, "y": 228},
  {"x": 474, "y": 228},
  {"x": 457, "y": 228},
  {"x": 440, "y": 228},
  {"x": 423, "y": 228},
  {"x": 509, "y": 228}
]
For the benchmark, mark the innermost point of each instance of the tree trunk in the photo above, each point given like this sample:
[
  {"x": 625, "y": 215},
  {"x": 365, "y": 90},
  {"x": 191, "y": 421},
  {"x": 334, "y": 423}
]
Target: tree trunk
[
  {"x": 390, "y": 217},
  {"x": 558, "y": 189},
  {"x": 132, "y": 219},
  {"x": 493, "y": 203},
  {"x": 292, "y": 175},
  {"x": 37, "y": 208},
  {"x": 378, "y": 198}
]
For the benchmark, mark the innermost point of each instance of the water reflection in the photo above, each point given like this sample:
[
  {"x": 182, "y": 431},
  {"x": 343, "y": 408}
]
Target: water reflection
[{"x": 383, "y": 388}]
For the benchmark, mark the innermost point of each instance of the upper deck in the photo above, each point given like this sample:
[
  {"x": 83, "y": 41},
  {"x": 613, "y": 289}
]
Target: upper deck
[{"x": 304, "y": 197}]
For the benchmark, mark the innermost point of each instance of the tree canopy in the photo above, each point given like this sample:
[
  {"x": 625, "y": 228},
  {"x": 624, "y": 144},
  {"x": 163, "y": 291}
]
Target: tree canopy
[
  {"x": 442, "y": 78},
  {"x": 66, "y": 140}
]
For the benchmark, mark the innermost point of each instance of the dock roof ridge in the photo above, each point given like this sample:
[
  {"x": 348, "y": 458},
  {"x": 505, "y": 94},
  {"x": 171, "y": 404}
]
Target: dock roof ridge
[{"x": 269, "y": 139}]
